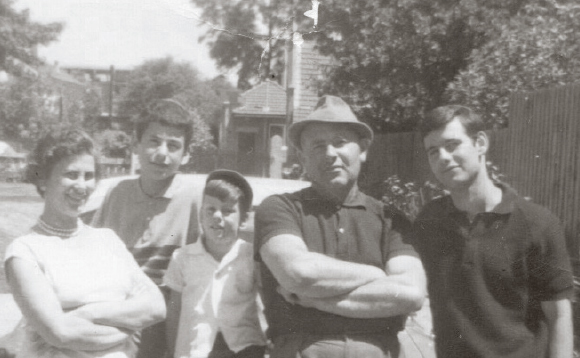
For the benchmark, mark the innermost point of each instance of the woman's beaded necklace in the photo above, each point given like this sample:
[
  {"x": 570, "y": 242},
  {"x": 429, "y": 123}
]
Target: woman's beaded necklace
[{"x": 65, "y": 233}]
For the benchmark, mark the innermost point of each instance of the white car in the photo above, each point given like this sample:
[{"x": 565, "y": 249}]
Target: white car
[{"x": 262, "y": 188}]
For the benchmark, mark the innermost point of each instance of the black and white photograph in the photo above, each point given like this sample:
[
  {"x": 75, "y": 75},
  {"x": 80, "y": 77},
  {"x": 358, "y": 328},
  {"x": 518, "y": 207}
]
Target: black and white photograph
[{"x": 290, "y": 179}]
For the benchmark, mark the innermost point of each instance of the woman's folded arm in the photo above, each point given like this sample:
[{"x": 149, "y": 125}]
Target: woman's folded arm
[{"x": 43, "y": 312}]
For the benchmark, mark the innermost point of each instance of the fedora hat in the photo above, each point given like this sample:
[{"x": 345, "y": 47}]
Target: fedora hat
[
  {"x": 329, "y": 109},
  {"x": 237, "y": 180}
]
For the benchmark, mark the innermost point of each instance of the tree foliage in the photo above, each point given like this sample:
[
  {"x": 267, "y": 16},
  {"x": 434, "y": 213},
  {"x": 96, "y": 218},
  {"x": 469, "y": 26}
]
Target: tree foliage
[
  {"x": 538, "y": 48},
  {"x": 249, "y": 35},
  {"x": 31, "y": 106},
  {"x": 165, "y": 78},
  {"x": 90, "y": 109},
  {"x": 396, "y": 59},
  {"x": 19, "y": 37},
  {"x": 113, "y": 143}
]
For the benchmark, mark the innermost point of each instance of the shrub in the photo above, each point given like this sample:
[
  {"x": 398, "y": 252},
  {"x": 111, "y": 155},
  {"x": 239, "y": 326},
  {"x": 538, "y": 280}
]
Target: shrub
[{"x": 411, "y": 197}]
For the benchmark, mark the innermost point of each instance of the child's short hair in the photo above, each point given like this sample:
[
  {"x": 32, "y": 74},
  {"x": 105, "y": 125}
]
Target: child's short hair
[
  {"x": 230, "y": 185},
  {"x": 168, "y": 112}
]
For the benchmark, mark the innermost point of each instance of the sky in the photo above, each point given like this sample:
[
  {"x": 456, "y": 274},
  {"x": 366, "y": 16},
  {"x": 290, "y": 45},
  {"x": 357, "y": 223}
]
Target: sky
[{"x": 122, "y": 33}]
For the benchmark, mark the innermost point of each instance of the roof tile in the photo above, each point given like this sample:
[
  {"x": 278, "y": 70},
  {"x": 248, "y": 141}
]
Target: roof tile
[{"x": 267, "y": 98}]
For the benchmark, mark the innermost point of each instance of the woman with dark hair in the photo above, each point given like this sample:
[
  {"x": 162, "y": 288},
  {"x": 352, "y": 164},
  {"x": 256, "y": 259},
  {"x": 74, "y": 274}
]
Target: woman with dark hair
[{"x": 80, "y": 291}]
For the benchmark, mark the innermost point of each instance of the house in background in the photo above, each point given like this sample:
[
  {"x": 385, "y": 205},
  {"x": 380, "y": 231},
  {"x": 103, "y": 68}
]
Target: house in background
[
  {"x": 65, "y": 91},
  {"x": 12, "y": 163},
  {"x": 252, "y": 137},
  {"x": 55, "y": 98},
  {"x": 108, "y": 84}
]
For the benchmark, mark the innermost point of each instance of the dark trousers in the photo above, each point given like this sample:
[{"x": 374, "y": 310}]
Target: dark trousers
[
  {"x": 306, "y": 345},
  {"x": 220, "y": 349},
  {"x": 152, "y": 342}
]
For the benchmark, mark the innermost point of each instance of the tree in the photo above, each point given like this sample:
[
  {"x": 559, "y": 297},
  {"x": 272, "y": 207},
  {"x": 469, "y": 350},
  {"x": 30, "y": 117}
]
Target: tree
[
  {"x": 19, "y": 37},
  {"x": 31, "y": 106},
  {"x": 538, "y": 48},
  {"x": 90, "y": 109},
  {"x": 22, "y": 103},
  {"x": 393, "y": 60},
  {"x": 27, "y": 105},
  {"x": 113, "y": 143},
  {"x": 224, "y": 92},
  {"x": 250, "y": 35},
  {"x": 396, "y": 58},
  {"x": 165, "y": 78}
]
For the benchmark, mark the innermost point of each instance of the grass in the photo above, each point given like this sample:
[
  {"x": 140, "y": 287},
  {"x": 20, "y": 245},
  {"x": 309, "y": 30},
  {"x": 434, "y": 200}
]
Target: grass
[{"x": 20, "y": 206}]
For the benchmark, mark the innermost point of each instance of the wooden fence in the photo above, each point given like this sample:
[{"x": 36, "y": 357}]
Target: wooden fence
[
  {"x": 539, "y": 154},
  {"x": 400, "y": 154}
]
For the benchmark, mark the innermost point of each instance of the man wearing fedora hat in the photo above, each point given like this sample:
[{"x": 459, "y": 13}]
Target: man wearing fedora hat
[{"x": 337, "y": 277}]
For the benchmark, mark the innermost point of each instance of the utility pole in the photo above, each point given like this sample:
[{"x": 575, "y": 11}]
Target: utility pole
[
  {"x": 289, "y": 87},
  {"x": 290, "y": 84},
  {"x": 60, "y": 105},
  {"x": 111, "y": 90}
]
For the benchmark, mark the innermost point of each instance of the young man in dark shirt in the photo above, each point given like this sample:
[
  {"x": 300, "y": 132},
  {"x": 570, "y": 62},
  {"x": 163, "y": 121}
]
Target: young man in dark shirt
[{"x": 499, "y": 276}]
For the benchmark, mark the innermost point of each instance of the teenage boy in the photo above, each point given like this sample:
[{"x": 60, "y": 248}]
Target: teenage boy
[
  {"x": 157, "y": 212},
  {"x": 338, "y": 280},
  {"x": 499, "y": 276},
  {"x": 212, "y": 308}
]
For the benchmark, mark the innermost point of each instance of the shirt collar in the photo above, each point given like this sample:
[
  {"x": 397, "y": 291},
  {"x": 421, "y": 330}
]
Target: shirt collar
[
  {"x": 231, "y": 255},
  {"x": 197, "y": 249},
  {"x": 169, "y": 193},
  {"x": 506, "y": 205},
  {"x": 357, "y": 199},
  {"x": 508, "y": 199}
]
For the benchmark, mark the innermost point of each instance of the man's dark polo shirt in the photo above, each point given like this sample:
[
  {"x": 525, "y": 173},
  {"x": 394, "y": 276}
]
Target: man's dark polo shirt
[
  {"x": 356, "y": 231},
  {"x": 487, "y": 278}
]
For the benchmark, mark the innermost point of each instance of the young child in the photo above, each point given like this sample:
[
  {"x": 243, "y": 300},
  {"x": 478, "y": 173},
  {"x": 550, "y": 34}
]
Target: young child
[{"x": 212, "y": 310}]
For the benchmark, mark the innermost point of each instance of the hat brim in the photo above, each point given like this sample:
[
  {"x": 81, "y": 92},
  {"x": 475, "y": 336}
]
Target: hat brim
[
  {"x": 236, "y": 179},
  {"x": 295, "y": 130}
]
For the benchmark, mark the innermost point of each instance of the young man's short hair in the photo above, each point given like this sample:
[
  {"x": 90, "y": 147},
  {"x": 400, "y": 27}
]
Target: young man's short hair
[
  {"x": 224, "y": 191},
  {"x": 439, "y": 117},
  {"x": 168, "y": 112}
]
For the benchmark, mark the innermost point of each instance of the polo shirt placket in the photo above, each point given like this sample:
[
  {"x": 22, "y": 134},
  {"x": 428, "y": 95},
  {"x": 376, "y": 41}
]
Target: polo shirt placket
[
  {"x": 344, "y": 229},
  {"x": 470, "y": 234},
  {"x": 342, "y": 242}
]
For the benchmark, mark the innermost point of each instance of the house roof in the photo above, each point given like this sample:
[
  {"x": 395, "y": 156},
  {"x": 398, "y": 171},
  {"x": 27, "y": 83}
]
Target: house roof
[
  {"x": 64, "y": 77},
  {"x": 55, "y": 73},
  {"x": 7, "y": 151},
  {"x": 267, "y": 98}
]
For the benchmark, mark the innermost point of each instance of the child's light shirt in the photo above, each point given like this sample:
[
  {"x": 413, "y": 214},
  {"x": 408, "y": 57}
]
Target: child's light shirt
[{"x": 215, "y": 296}]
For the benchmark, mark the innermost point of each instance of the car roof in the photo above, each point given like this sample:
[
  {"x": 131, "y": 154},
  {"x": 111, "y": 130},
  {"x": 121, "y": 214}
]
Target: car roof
[{"x": 261, "y": 187}]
